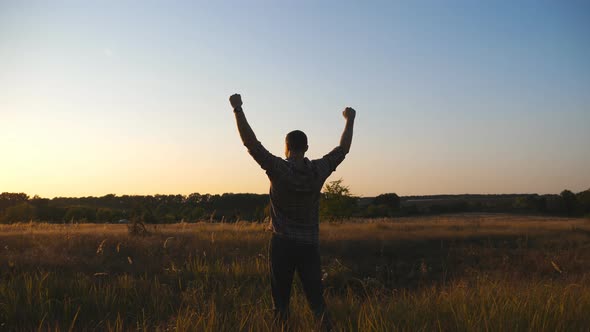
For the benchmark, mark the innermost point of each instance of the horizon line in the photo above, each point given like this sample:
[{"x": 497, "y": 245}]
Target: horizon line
[{"x": 253, "y": 193}]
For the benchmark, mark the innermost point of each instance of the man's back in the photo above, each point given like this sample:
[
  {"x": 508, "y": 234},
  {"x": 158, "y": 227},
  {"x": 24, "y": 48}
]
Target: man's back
[{"x": 295, "y": 195}]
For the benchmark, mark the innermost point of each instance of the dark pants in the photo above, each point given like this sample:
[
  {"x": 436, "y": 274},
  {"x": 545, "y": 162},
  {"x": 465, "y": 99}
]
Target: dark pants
[{"x": 285, "y": 257}]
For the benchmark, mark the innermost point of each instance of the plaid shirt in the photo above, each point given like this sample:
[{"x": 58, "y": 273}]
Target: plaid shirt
[{"x": 295, "y": 192}]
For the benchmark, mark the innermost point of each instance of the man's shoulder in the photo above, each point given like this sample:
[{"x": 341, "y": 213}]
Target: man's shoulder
[{"x": 282, "y": 168}]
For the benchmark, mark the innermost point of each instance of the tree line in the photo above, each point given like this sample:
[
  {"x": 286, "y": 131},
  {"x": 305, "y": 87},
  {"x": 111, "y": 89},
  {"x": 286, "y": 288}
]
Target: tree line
[{"x": 337, "y": 203}]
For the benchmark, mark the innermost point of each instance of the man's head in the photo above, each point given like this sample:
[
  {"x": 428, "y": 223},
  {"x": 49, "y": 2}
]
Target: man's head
[{"x": 295, "y": 143}]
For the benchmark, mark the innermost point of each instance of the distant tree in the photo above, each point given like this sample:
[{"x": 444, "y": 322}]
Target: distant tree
[
  {"x": 105, "y": 215},
  {"x": 374, "y": 210},
  {"x": 47, "y": 211},
  {"x": 583, "y": 199},
  {"x": 143, "y": 212},
  {"x": 337, "y": 202},
  {"x": 19, "y": 213},
  {"x": 540, "y": 203},
  {"x": 11, "y": 199},
  {"x": 391, "y": 200},
  {"x": 197, "y": 213},
  {"x": 336, "y": 188},
  {"x": 531, "y": 203},
  {"x": 569, "y": 202},
  {"x": 384, "y": 205},
  {"x": 193, "y": 199},
  {"x": 80, "y": 214}
]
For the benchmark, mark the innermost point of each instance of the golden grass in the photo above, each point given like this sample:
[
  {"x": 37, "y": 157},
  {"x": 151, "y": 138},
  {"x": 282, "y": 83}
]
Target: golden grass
[{"x": 456, "y": 272}]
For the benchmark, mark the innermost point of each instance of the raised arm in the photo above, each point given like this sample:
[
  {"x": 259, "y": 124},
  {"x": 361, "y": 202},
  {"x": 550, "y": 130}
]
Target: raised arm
[
  {"x": 328, "y": 163},
  {"x": 246, "y": 132},
  {"x": 265, "y": 159},
  {"x": 346, "y": 139}
]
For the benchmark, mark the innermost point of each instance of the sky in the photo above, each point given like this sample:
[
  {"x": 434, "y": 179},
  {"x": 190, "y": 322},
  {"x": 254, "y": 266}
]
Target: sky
[{"x": 131, "y": 97}]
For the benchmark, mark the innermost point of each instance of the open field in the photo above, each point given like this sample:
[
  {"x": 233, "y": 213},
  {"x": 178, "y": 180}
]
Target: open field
[{"x": 449, "y": 273}]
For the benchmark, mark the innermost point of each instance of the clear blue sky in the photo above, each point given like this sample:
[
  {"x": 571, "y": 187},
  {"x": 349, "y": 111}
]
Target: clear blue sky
[{"x": 130, "y": 97}]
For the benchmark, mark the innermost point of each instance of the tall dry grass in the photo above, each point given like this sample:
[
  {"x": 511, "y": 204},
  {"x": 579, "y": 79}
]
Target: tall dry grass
[{"x": 451, "y": 273}]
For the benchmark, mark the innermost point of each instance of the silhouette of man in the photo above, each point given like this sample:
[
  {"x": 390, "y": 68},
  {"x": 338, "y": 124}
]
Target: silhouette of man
[{"x": 295, "y": 186}]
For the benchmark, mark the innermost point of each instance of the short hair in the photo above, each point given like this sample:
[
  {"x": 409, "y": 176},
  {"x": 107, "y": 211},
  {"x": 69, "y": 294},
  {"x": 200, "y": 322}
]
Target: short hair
[{"x": 296, "y": 141}]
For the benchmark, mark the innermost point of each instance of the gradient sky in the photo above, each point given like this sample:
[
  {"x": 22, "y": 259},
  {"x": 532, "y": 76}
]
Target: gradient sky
[{"x": 131, "y": 97}]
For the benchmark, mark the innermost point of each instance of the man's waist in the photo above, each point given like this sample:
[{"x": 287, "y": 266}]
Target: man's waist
[
  {"x": 296, "y": 224},
  {"x": 308, "y": 233},
  {"x": 296, "y": 241}
]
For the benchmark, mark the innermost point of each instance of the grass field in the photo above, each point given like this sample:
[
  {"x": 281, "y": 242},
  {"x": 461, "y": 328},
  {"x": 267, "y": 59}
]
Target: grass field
[{"x": 448, "y": 273}]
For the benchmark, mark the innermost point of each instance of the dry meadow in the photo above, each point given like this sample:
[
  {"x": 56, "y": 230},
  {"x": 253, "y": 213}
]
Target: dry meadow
[{"x": 447, "y": 273}]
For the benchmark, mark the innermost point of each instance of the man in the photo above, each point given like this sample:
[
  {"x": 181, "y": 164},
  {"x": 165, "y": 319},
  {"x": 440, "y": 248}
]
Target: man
[{"x": 295, "y": 186}]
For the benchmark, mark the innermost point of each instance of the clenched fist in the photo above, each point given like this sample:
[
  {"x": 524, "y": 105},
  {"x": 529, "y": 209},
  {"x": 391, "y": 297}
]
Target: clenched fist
[
  {"x": 349, "y": 113},
  {"x": 235, "y": 100}
]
